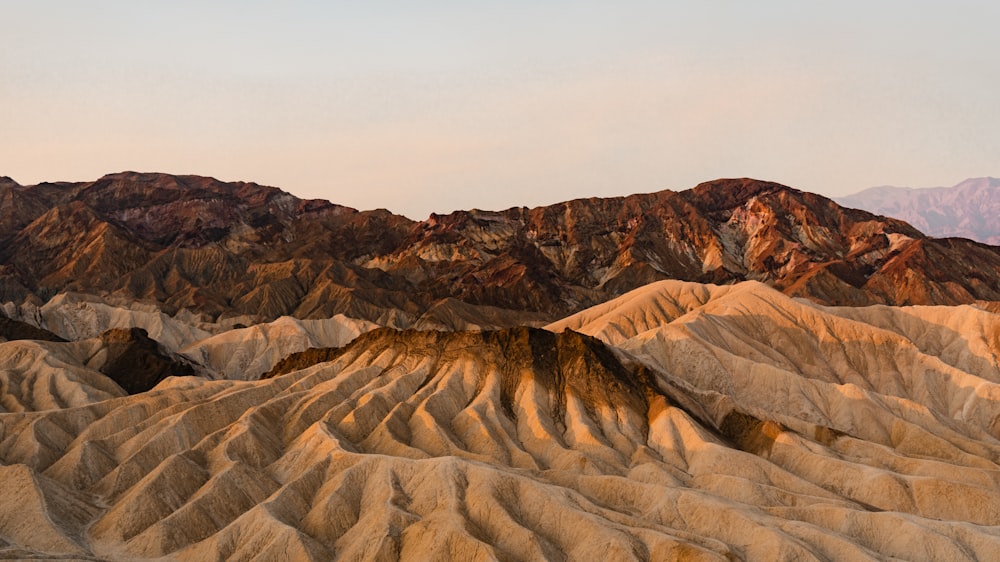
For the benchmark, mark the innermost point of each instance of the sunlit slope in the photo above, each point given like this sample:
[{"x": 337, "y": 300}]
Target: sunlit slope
[
  {"x": 523, "y": 445},
  {"x": 246, "y": 353},
  {"x": 757, "y": 346},
  {"x": 904, "y": 401},
  {"x": 225, "y": 349},
  {"x": 44, "y": 375},
  {"x": 36, "y": 375},
  {"x": 643, "y": 309}
]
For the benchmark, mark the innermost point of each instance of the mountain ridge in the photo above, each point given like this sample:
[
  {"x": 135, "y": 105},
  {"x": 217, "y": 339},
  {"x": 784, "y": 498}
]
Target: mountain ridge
[
  {"x": 969, "y": 209},
  {"x": 235, "y": 373},
  {"x": 218, "y": 249}
]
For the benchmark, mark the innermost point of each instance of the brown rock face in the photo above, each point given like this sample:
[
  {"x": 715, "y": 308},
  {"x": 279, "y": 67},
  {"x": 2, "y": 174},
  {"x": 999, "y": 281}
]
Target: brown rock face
[
  {"x": 240, "y": 248},
  {"x": 12, "y": 330},
  {"x": 564, "y": 363},
  {"x": 136, "y": 362},
  {"x": 303, "y": 360}
]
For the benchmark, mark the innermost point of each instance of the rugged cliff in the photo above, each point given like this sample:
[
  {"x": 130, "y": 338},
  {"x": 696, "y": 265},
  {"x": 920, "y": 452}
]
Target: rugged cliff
[{"x": 227, "y": 249}]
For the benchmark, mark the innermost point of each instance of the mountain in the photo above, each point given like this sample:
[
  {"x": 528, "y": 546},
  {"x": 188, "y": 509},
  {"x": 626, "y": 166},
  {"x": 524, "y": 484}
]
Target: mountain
[
  {"x": 970, "y": 209},
  {"x": 681, "y": 421},
  {"x": 241, "y": 250},
  {"x": 193, "y": 369}
]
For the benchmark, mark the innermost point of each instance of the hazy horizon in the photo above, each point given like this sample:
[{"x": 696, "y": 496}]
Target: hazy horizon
[{"x": 447, "y": 106}]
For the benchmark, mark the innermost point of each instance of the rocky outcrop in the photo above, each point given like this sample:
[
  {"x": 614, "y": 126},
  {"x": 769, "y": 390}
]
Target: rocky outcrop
[
  {"x": 303, "y": 360},
  {"x": 561, "y": 364},
  {"x": 136, "y": 362},
  {"x": 13, "y": 330},
  {"x": 240, "y": 249}
]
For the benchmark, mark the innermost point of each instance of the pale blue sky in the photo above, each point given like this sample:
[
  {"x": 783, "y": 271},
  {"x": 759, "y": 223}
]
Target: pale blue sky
[{"x": 434, "y": 106}]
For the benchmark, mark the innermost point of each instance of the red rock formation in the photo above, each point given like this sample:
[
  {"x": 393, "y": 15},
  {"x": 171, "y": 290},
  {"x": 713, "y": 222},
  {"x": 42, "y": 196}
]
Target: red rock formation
[{"x": 241, "y": 248}]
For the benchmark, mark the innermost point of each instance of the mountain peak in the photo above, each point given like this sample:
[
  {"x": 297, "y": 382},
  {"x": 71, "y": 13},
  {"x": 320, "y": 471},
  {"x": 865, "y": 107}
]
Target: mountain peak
[
  {"x": 727, "y": 193},
  {"x": 969, "y": 209},
  {"x": 240, "y": 248}
]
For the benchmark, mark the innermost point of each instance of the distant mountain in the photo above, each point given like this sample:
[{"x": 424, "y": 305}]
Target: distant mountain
[
  {"x": 241, "y": 250},
  {"x": 970, "y": 209}
]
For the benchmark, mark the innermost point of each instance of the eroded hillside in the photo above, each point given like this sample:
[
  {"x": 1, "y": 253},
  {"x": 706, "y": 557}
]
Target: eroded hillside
[
  {"x": 241, "y": 249},
  {"x": 716, "y": 422}
]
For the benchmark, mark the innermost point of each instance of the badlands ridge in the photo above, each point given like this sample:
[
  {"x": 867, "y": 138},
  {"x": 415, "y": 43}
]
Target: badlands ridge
[{"x": 678, "y": 421}]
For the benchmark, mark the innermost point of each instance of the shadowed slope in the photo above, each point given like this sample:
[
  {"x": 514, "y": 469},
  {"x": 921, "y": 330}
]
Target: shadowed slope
[
  {"x": 12, "y": 330},
  {"x": 136, "y": 362},
  {"x": 42, "y": 375}
]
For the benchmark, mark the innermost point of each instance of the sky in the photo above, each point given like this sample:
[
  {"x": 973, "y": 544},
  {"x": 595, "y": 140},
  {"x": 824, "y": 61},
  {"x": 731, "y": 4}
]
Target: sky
[{"x": 433, "y": 106}]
